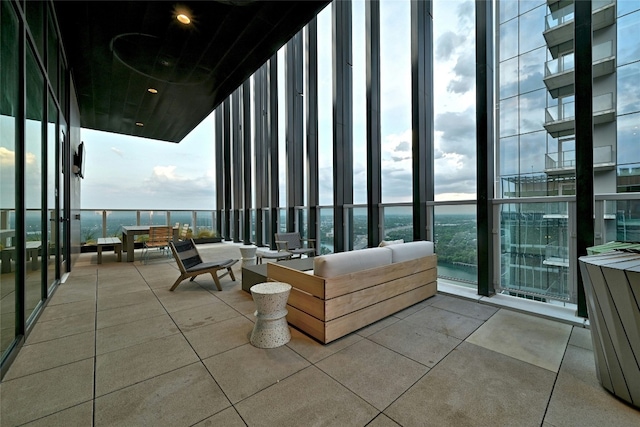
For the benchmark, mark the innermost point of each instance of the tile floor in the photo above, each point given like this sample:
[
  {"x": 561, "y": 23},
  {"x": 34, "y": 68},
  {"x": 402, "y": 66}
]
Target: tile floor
[{"x": 115, "y": 347}]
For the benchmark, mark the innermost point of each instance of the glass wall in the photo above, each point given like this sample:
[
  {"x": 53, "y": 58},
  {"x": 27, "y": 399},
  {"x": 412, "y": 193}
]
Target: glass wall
[
  {"x": 9, "y": 81},
  {"x": 325, "y": 107},
  {"x": 33, "y": 181}
]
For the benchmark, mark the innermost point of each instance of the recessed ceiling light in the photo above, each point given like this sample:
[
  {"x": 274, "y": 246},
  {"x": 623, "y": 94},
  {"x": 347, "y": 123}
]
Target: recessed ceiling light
[
  {"x": 152, "y": 90},
  {"x": 184, "y": 19},
  {"x": 139, "y": 124}
]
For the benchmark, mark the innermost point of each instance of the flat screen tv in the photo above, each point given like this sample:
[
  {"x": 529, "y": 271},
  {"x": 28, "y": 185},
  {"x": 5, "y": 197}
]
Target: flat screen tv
[{"x": 79, "y": 160}]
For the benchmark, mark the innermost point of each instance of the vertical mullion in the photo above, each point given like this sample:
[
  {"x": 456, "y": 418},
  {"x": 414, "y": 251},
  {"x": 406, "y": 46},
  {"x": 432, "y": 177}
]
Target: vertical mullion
[
  {"x": 246, "y": 188},
  {"x": 226, "y": 138},
  {"x": 484, "y": 146},
  {"x": 294, "y": 141},
  {"x": 584, "y": 138},
  {"x": 374, "y": 150},
  {"x": 311, "y": 100},
  {"x": 219, "y": 169},
  {"x": 272, "y": 138}
]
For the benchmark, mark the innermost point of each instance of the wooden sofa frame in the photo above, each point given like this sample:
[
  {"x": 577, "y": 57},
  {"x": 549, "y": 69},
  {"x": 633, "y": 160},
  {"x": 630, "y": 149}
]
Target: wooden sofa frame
[{"x": 330, "y": 308}]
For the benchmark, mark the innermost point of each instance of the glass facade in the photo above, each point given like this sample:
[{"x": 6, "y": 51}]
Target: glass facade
[{"x": 32, "y": 184}]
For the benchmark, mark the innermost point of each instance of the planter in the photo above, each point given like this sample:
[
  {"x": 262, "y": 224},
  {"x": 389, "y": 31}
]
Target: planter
[{"x": 202, "y": 240}]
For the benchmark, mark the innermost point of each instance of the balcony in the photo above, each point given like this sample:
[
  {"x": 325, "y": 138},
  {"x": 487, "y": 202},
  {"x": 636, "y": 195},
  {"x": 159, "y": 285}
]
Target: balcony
[
  {"x": 560, "y": 72},
  {"x": 560, "y": 119},
  {"x": 565, "y": 162},
  {"x": 559, "y": 24}
]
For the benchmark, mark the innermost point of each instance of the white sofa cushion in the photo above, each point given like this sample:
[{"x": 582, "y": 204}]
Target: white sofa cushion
[
  {"x": 410, "y": 250},
  {"x": 340, "y": 263}
]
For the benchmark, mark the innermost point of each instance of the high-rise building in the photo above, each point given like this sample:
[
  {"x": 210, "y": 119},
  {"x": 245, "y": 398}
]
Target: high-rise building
[{"x": 536, "y": 136}]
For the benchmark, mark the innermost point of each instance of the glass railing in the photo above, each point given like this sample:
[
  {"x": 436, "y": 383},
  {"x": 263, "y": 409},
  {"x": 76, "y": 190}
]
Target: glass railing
[
  {"x": 567, "y": 159},
  {"x": 567, "y": 62},
  {"x": 559, "y": 17},
  {"x": 566, "y": 14},
  {"x": 618, "y": 217},
  {"x": 397, "y": 222},
  {"x": 567, "y": 111},
  {"x": 534, "y": 248}
]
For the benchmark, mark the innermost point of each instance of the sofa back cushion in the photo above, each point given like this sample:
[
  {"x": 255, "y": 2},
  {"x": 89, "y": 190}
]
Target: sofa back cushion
[
  {"x": 340, "y": 263},
  {"x": 410, "y": 250}
]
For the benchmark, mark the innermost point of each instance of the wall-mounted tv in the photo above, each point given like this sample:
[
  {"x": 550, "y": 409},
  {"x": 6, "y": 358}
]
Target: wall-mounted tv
[{"x": 79, "y": 160}]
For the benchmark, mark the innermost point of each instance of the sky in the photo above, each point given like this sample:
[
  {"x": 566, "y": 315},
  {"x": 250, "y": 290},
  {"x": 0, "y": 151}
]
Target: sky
[{"x": 124, "y": 172}]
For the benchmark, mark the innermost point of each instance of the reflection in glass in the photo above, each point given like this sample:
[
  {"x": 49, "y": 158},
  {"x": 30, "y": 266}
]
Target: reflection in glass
[
  {"x": 33, "y": 181},
  {"x": 532, "y": 107},
  {"x": 531, "y": 29},
  {"x": 509, "y": 39},
  {"x": 508, "y": 152},
  {"x": 532, "y": 151},
  {"x": 507, "y": 10},
  {"x": 628, "y": 98},
  {"x": 8, "y": 105},
  {"x": 509, "y": 78},
  {"x": 628, "y": 46},
  {"x": 628, "y": 138},
  {"x": 509, "y": 116},
  {"x": 52, "y": 213},
  {"x": 530, "y": 70}
]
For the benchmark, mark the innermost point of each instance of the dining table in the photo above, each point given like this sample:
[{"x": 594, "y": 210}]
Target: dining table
[{"x": 129, "y": 233}]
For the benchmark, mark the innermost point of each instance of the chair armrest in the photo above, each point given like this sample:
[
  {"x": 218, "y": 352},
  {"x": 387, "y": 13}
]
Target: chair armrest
[
  {"x": 281, "y": 243},
  {"x": 310, "y": 242}
]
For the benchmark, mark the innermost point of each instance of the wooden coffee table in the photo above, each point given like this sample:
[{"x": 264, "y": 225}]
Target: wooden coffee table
[{"x": 254, "y": 274}]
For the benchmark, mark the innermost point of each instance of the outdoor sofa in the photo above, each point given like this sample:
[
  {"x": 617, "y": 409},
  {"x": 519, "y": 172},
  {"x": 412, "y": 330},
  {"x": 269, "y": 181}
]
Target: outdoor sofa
[{"x": 349, "y": 290}]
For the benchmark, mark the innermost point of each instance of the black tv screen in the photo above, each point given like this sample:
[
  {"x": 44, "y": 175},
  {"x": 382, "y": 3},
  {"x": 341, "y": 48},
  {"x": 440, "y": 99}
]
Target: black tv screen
[{"x": 79, "y": 160}]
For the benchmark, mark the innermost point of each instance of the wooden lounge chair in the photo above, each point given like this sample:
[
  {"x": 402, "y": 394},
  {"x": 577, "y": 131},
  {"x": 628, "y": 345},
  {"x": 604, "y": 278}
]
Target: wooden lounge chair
[
  {"x": 191, "y": 264},
  {"x": 292, "y": 243}
]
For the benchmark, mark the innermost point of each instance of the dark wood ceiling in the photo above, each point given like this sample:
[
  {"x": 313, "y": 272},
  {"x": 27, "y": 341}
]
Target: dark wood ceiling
[{"x": 117, "y": 50}]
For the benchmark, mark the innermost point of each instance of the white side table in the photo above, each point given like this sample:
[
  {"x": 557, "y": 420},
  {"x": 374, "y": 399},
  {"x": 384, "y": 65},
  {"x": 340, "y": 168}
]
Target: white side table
[
  {"x": 271, "y": 329},
  {"x": 248, "y": 254}
]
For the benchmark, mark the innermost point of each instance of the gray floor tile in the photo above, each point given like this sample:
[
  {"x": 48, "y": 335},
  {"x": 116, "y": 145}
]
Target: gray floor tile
[
  {"x": 464, "y": 307},
  {"x": 246, "y": 370},
  {"x": 53, "y": 353},
  {"x": 382, "y": 421},
  {"x": 239, "y": 300},
  {"x": 581, "y": 337},
  {"x": 415, "y": 308},
  {"x": 310, "y": 397},
  {"x": 133, "y": 364},
  {"x": 535, "y": 340},
  {"x": 203, "y": 315},
  {"x": 134, "y": 333},
  {"x": 67, "y": 293},
  {"x": 79, "y": 415},
  {"x": 227, "y": 418},
  {"x": 474, "y": 386},
  {"x": 35, "y": 396},
  {"x": 375, "y": 373},
  {"x": 416, "y": 342},
  {"x": 377, "y": 326},
  {"x": 62, "y": 327},
  {"x": 181, "y": 298},
  {"x": 219, "y": 337},
  {"x": 446, "y": 322},
  {"x": 126, "y": 286},
  {"x": 53, "y": 312},
  {"x": 129, "y": 313},
  {"x": 108, "y": 301},
  {"x": 184, "y": 396},
  {"x": 314, "y": 351},
  {"x": 579, "y": 399}
]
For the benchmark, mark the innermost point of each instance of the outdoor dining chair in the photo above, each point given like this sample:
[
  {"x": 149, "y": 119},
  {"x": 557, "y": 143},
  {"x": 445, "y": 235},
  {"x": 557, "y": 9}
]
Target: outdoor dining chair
[{"x": 159, "y": 238}]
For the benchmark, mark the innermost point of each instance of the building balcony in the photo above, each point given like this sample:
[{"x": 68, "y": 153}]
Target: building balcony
[
  {"x": 560, "y": 72},
  {"x": 559, "y": 24},
  {"x": 560, "y": 119},
  {"x": 565, "y": 162}
]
